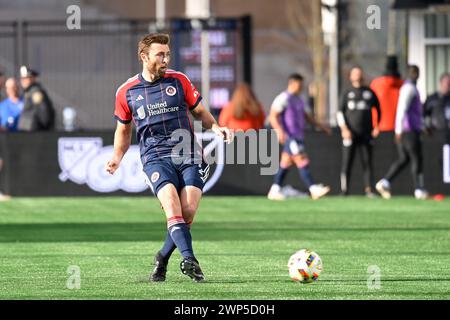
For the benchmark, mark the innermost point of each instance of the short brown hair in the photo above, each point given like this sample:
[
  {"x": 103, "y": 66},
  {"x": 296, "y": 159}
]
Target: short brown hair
[{"x": 147, "y": 40}]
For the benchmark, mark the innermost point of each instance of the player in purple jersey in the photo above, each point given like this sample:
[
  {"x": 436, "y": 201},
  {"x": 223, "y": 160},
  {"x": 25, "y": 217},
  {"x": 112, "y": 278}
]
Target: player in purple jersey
[
  {"x": 408, "y": 129},
  {"x": 158, "y": 101},
  {"x": 287, "y": 116}
]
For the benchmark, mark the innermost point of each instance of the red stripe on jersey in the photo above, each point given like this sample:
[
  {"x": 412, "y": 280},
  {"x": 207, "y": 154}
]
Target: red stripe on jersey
[
  {"x": 122, "y": 110},
  {"x": 191, "y": 95}
]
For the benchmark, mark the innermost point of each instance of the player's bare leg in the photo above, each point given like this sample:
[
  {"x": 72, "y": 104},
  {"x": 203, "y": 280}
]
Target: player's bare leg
[
  {"x": 171, "y": 205},
  {"x": 316, "y": 190},
  {"x": 190, "y": 197},
  {"x": 179, "y": 231}
]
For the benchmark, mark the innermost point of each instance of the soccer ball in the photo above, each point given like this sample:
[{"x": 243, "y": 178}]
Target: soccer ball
[{"x": 305, "y": 266}]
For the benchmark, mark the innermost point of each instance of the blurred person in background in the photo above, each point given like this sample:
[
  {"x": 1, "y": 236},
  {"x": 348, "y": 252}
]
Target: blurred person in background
[
  {"x": 244, "y": 111},
  {"x": 387, "y": 89},
  {"x": 437, "y": 109},
  {"x": 355, "y": 120},
  {"x": 408, "y": 128},
  {"x": 11, "y": 107},
  {"x": 288, "y": 116},
  {"x": 38, "y": 113},
  {"x": 2, "y": 84},
  {"x": 437, "y": 115}
]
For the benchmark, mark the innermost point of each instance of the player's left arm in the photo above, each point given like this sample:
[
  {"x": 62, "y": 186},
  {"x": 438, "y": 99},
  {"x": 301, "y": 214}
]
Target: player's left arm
[
  {"x": 208, "y": 122},
  {"x": 376, "y": 105},
  {"x": 316, "y": 124}
]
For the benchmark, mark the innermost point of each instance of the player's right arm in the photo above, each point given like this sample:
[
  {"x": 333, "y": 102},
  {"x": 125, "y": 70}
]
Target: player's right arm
[
  {"x": 277, "y": 108},
  {"x": 122, "y": 136},
  {"x": 407, "y": 94},
  {"x": 342, "y": 123},
  {"x": 122, "y": 141}
]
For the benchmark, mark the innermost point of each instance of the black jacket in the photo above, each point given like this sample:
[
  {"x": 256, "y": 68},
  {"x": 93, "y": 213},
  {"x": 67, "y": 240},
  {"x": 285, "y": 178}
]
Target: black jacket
[{"x": 38, "y": 112}]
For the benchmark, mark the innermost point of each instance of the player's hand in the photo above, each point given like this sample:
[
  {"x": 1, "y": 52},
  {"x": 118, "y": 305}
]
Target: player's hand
[
  {"x": 346, "y": 134},
  {"x": 375, "y": 132},
  {"x": 398, "y": 138},
  {"x": 428, "y": 131},
  {"x": 224, "y": 132},
  {"x": 111, "y": 166},
  {"x": 327, "y": 130},
  {"x": 281, "y": 136}
]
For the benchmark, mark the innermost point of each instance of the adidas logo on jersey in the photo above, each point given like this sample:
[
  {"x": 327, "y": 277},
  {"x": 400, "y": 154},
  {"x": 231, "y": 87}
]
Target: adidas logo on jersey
[{"x": 139, "y": 98}]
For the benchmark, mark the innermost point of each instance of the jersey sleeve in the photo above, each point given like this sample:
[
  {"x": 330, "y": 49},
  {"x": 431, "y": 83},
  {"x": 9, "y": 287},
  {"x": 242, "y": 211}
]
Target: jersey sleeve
[
  {"x": 122, "y": 111},
  {"x": 340, "y": 115},
  {"x": 191, "y": 95},
  {"x": 376, "y": 105},
  {"x": 280, "y": 103}
]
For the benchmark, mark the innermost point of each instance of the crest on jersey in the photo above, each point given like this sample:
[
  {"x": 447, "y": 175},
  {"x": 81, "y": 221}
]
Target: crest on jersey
[
  {"x": 155, "y": 177},
  {"x": 171, "y": 91},
  {"x": 351, "y": 105},
  {"x": 141, "y": 112},
  {"x": 367, "y": 94}
]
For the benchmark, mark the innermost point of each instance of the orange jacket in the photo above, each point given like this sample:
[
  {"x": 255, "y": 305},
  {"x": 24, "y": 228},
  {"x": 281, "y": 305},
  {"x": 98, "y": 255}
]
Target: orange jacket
[
  {"x": 387, "y": 89},
  {"x": 227, "y": 119}
]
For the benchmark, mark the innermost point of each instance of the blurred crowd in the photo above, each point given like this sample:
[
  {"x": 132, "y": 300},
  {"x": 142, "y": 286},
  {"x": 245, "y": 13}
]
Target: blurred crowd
[
  {"x": 389, "y": 103},
  {"x": 24, "y": 104}
]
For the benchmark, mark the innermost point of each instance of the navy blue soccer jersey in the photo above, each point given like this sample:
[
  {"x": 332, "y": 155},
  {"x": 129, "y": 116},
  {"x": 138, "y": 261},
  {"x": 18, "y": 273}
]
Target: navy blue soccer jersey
[{"x": 158, "y": 109}]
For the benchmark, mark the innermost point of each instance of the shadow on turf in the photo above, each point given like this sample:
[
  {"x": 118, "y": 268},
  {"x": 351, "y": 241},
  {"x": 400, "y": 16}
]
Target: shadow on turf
[{"x": 99, "y": 232}]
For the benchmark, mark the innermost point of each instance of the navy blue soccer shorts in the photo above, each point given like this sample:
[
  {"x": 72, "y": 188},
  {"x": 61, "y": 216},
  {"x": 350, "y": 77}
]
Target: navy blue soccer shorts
[
  {"x": 294, "y": 147},
  {"x": 164, "y": 171}
]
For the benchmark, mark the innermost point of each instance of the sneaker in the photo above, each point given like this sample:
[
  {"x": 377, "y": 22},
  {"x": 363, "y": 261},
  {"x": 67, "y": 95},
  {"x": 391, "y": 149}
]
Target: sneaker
[
  {"x": 191, "y": 268},
  {"x": 276, "y": 194},
  {"x": 420, "y": 194},
  {"x": 384, "y": 188},
  {"x": 318, "y": 190},
  {"x": 290, "y": 192},
  {"x": 159, "y": 272}
]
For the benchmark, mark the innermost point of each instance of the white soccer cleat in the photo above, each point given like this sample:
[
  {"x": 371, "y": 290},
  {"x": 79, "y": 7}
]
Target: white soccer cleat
[
  {"x": 276, "y": 194},
  {"x": 318, "y": 191},
  {"x": 384, "y": 188},
  {"x": 421, "y": 194}
]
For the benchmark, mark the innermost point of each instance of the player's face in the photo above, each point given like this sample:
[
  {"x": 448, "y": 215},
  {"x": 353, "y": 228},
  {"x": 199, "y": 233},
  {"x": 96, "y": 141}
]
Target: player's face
[
  {"x": 11, "y": 88},
  {"x": 295, "y": 86},
  {"x": 158, "y": 59},
  {"x": 445, "y": 85},
  {"x": 26, "y": 82},
  {"x": 356, "y": 75}
]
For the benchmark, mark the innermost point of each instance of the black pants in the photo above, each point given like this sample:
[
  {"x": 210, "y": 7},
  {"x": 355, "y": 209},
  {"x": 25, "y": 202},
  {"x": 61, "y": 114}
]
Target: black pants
[
  {"x": 409, "y": 149},
  {"x": 363, "y": 145}
]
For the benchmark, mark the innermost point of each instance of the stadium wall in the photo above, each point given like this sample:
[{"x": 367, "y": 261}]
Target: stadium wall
[{"x": 52, "y": 164}]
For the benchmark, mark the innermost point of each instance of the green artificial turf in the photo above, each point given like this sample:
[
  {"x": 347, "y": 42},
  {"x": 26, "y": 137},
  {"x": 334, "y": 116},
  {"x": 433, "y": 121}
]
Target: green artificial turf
[{"x": 243, "y": 245}]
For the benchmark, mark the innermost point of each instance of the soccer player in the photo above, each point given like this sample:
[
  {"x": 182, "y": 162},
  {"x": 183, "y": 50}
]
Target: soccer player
[
  {"x": 408, "y": 127},
  {"x": 355, "y": 120},
  {"x": 158, "y": 101},
  {"x": 287, "y": 116}
]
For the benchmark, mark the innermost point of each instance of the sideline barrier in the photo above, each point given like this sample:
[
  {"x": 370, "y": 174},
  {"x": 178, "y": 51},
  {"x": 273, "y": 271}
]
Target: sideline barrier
[{"x": 71, "y": 164}]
